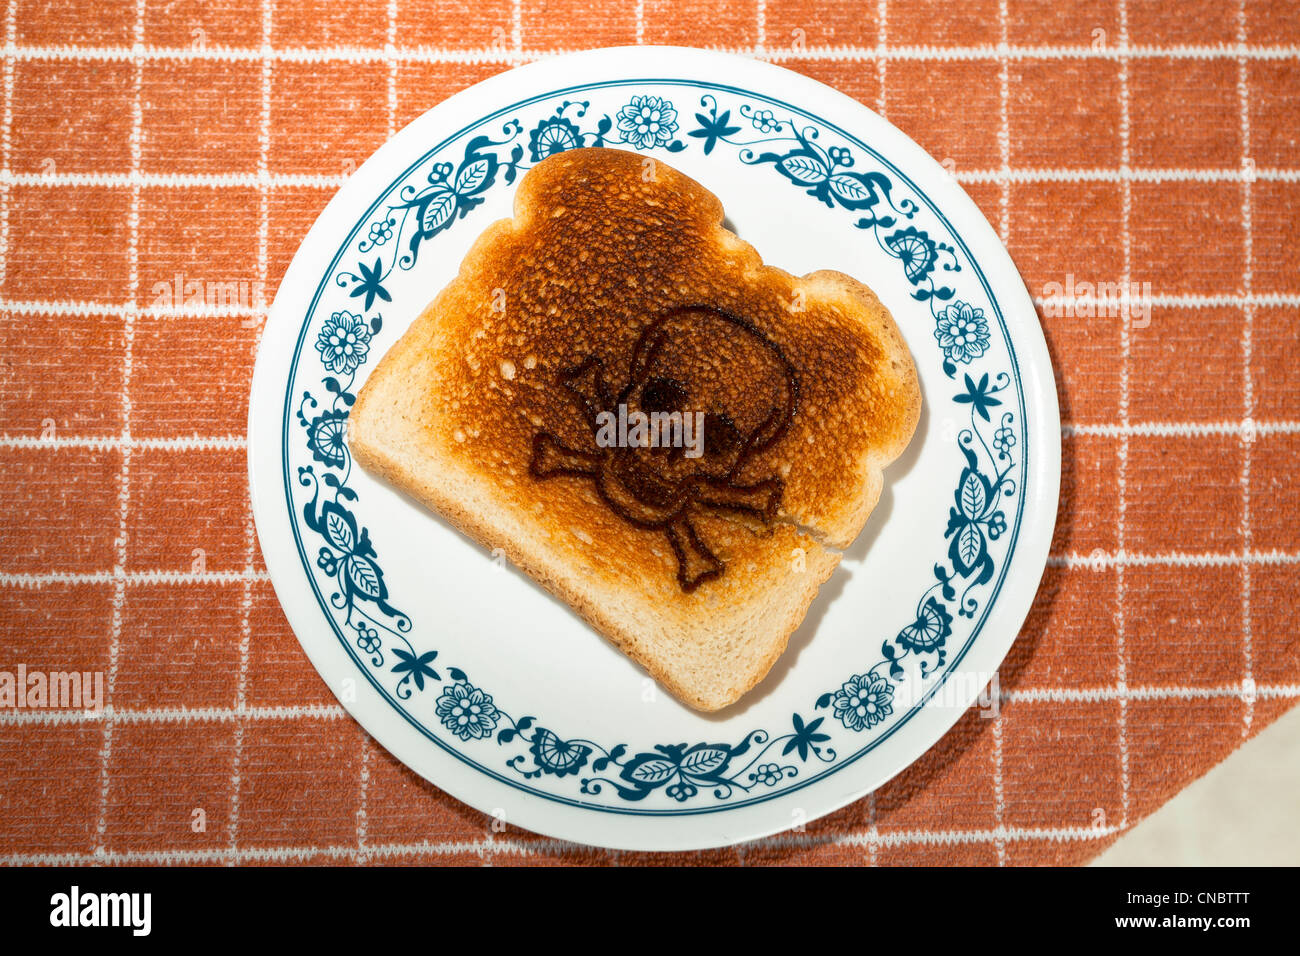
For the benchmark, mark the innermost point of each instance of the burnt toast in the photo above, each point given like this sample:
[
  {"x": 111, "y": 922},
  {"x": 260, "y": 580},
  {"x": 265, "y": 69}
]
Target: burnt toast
[{"x": 510, "y": 406}]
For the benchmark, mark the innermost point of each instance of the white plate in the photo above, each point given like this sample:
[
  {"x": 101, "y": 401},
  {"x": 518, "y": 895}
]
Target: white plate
[{"x": 565, "y": 736}]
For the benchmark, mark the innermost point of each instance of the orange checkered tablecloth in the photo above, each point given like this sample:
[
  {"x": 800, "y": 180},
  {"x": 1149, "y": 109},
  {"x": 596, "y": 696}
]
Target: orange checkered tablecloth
[{"x": 1109, "y": 141}]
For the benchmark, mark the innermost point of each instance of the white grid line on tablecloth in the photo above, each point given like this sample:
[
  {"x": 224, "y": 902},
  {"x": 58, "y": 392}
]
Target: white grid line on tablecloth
[
  {"x": 882, "y": 44},
  {"x": 517, "y": 54},
  {"x": 231, "y": 179},
  {"x": 363, "y": 799},
  {"x": 516, "y": 33},
  {"x": 1126, "y": 206},
  {"x": 156, "y": 577},
  {"x": 873, "y": 830},
  {"x": 56, "y": 308},
  {"x": 124, "y": 488},
  {"x": 390, "y": 54},
  {"x": 116, "y": 443},
  {"x": 1022, "y": 175},
  {"x": 999, "y": 796},
  {"x": 1057, "y": 695},
  {"x": 1248, "y": 318},
  {"x": 1101, "y": 559},
  {"x": 1249, "y": 429},
  {"x": 1098, "y": 560},
  {"x": 1183, "y": 301},
  {"x": 173, "y": 715},
  {"x": 541, "y": 846},
  {"x": 1137, "y": 174},
  {"x": 250, "y": 533},
  {"x": 6, "y": 137},
  {"x": 289, "y": 712},
  {"x": 59, "y": 308}
]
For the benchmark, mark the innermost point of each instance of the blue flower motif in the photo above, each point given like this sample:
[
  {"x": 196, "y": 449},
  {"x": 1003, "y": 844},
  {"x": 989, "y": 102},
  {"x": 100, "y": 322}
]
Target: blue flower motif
[
  {"x": 713, "y": 128},
  {"x": 414, "y": 668},
  {"x": 553, "y": 135},
  {"x": 864, "y": 701},
  {"x": 344, "y": 342},
  {"x": 916, "y": 250},
  {"x": 467, "y": 712},
  {"x": 556, "y": 756},
  {"x": 647, "y": 122},
  {"x": 805, "y": 738},
  {"x": 979, "y": 396},
  {"x": 327, "y": 438},
  {"x": 381, "y": 231},
  {"x": 764, "y": 121},
  {"x": 962, "y": 332},
  {"x": 1004, "y": 439},
  {"x": 371, "y": 283},
  {"x": 931, "y": 628},
  {"x": 368, "y": 639},
  {"x": 681, "y": 791},
  {"x": 768, "y": 774},
  {"x": 840, "y": 155},
  {"x": 326, "y": 561}
]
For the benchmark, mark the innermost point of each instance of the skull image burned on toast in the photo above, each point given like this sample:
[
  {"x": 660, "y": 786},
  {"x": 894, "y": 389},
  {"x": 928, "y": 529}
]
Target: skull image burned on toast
[{"x": 715, "y": 391}]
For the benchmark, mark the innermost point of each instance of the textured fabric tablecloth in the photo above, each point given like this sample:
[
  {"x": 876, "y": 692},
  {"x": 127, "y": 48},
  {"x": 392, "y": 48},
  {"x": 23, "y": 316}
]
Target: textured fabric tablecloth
[{"x": 1144, "y": 145}]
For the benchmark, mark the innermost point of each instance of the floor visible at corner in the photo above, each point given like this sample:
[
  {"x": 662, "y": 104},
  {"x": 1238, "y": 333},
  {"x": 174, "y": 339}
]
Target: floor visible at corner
[{"x": 1244, "y": 812}]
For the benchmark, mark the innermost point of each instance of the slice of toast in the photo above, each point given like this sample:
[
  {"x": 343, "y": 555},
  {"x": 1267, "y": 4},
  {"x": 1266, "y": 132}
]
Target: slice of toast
[{"x": 616, "y": 284}]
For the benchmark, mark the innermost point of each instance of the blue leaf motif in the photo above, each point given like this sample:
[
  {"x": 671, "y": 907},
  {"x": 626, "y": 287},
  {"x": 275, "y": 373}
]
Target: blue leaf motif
[
  {"x": 849, "y": 187},
  {"x": 969, "y": 544},
  {"x": 340, "y": 528},
  {"x": 701, "y": 763},
  {"x": 653, "y": 771},
  {"x": 471, "y": 177},
  {"x": 439, "y": 211},
  {"x": 364, "y": 576},
  {"x": 804, "y": 169},
  {"x": 973, "y": 496}
]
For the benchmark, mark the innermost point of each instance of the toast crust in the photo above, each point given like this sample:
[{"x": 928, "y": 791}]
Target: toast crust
[{"x": 594, "y": 254}]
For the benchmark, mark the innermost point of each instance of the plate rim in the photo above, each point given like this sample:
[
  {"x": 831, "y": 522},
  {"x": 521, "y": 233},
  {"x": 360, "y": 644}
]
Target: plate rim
[{"x": 1038, "y": 390}]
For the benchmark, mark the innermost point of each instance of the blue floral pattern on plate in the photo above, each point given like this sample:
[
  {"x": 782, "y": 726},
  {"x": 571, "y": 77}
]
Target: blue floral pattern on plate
[{"x": 444, "y": 192}]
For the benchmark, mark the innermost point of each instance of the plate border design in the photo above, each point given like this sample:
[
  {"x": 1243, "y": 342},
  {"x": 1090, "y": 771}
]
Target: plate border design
[{"x": 808, "y": 729}]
